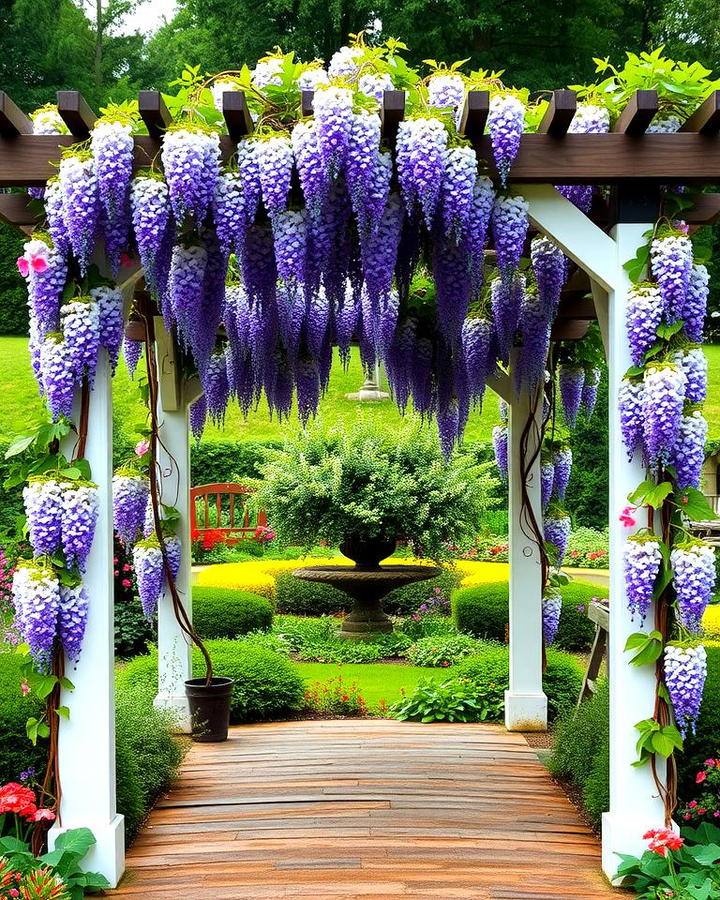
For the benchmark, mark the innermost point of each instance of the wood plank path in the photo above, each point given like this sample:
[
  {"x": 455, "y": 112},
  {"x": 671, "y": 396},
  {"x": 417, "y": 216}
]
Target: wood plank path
[{"x": 365, "y": 809}]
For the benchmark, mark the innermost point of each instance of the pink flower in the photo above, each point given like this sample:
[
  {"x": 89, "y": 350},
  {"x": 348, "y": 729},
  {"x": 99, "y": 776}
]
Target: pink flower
[
  {"x": 126, "y": 583},
  {"x": 663, "y": 839},
  {"x": 44, "y": 815},
  {"x": 710, "y": 762},
  {"x": 142, "y": 447},
  {"x": 23, "y": 266},
  {"x": 25, "y": 688},
  {"x": 38, "y": 263},
  {"x": 700, "y": 777},
  {"x": 627, "y": 518}
]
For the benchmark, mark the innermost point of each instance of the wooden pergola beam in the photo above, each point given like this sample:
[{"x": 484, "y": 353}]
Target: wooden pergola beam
[
  {"x": 638, "y": 114},
  {"x": 13, "y": 120},
  {"x": 474, "y": 114},
  {"x": 154, "y": 113},
  {"x": 392, "y": 114},
  {"x": 76, "y": 114},
  {"x": 14, "y": 210},
  {"x": 706, "y": 118},
  {"x": 559, "y": 114},
  {"x": 237, "y": 116}
]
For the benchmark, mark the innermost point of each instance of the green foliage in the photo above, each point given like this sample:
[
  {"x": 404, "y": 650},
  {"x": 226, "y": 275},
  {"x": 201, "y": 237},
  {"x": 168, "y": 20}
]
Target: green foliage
[
  {"x": 331, "y": 484},
  {"x": 226, "y": 613},
  {"x": 705, "y": 743},
  {"x": 441, "y": 650},
  {"x": 336, "y": 697},
  {"x": 12, "y": 285},
  {"x": 587, "y": 494},
  {"x": 426, "y": 626},
  {"x": 483, "y": 612},
  {"x": 213, "y": 462},
  {"x": 454, "y": 700},
  {"x": 16, "y": 752},
  {"x": 588, "y": 548},
  {"x": 406, "y": 601},
  {"x": 490, "y": 672}
]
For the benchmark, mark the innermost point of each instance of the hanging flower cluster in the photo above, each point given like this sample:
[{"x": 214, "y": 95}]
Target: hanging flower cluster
[{"x": 685, "y": 672}]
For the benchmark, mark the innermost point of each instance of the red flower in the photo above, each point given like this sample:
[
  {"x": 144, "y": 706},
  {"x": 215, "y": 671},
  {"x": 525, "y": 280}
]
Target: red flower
[
  {"x": 700, "y": 777},
  {"x": 18, "y": 799},
  {"x": 663, "y": 839}
]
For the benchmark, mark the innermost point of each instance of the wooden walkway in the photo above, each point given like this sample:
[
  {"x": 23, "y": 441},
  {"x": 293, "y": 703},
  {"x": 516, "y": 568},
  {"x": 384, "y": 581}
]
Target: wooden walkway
[{"x": 365, "y": 809}]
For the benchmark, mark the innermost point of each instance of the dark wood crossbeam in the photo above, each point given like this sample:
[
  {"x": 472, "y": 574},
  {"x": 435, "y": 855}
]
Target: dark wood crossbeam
[
  {"x": 474, "y": 114},
  {"x": 575, "y": 306},
  {"x": 13, "y": 120},
  {"x": 569, "y": 329},
  {"x": 154, "y": 113},
  {"x": 237, "y": 115},
  {"x": 306, "y": 102},
  {"x": 706, "y": 118},
  {"x": 559, "y": 114},
  {"x": 638, "y": 114},
  {"x": 392, "y": 114},
  {"x": 76, "y": 113}
]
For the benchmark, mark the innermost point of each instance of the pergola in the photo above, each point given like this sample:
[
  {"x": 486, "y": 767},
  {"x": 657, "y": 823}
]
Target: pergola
[{"x": 633, "y": 165}]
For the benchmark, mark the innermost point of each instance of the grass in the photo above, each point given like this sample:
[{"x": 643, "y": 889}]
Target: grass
[
  {"x": 377, "y": 681},
  {"x": 20, "y": 403}
]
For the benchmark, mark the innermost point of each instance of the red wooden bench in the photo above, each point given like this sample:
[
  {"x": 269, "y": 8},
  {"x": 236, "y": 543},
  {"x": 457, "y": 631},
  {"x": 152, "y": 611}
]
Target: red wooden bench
[{"x": 228, "y": 503}]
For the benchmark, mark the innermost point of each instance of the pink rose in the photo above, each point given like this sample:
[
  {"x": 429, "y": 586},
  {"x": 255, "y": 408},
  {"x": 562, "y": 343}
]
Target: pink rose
[{"x": 126, "y": 583}]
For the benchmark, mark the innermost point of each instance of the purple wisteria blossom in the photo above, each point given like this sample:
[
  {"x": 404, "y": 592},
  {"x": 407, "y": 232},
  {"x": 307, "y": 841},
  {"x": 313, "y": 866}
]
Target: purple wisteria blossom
[
  {"x": 150, "y": 205},
  {"x": 571, "y": 380},
  {"x": 191, "y": 162},
  {"x": 478, "y": 224},
  {"x": 689, "y": 453},
  {"x": 113, "y": 148},
  {"x": 509, "y": 227},
  {"x": 446, "y": 90},
  {"x": 310, "y": 163},
  {"x": 694, "y": 577},
  {"x": 506, "y": 301},
  {"x": 549, "y": 268},
  {"x": 290, "y": 236},
  {"x": 43, "y": 510},
  {"x": 477, "y": 333},
  {"x": 267, "y": 72},
  {"x": 458, "y": 191},
  {"x": 109, "y": 302},
  {"x": 374, "y": 84},
  {"x": 312, "y": 78},
  {"x": 130, "y": 497},
  {"x": 45, "y": 283},
  {"x": 58, "y": 376},
  {"x": 506, "y": 121},
  {"x": 132, "y": 351},
  {"x": 642, "y": 559},
  {"x": 149, "y": 572},
  {"x": 53, "y": 200},
  {"x": 36, "y": 597},
  {"x": 630, "y": 400},
  {"x": 534, "y": 327},
  {"x": 590, "y": 391},
  {"x": 557, "y": 533},
  {"x": 183, "y": 303},
  {"x": 547, "y": 480},
  {"x": 693, "y": 363},
  {"x": 551, "y": 610},
  {"x": 80, "y": 206},
  {"x": 449, "y": 427},
  {"x": 365, "y": 169},
  {"x": 198, "y": 416},
  {"x": 80, "y": 513},
  {"x": 671, "y": 259},
  {"x": 662, "y": 409},
  {"x": 333, "y": 111},
  {"x": 562, "y": 468},
  {"x": 685, "y": 673},
  {"x": 696, "y": 303},
  {"x": 500, "y": 448},
  {"x": 344, "y": 63},
  {"x": 275, "y": 162},
  {"x": 420, "y": 160},
  {"x": 216, "y": 386},
  {"x": 72, "y": 619},
  {"x": 80, "y": 320}
]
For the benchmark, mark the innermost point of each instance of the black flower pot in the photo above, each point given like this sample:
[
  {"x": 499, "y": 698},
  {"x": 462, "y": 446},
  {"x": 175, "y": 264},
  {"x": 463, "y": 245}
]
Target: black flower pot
[
  {"x": 366, "y": 553},
  {"x": 209, "y": 708}
]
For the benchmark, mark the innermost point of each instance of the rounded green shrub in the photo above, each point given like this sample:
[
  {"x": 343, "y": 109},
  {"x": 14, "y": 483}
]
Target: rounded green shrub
[
  {"x": 16, "y": 752},
  {"x": 705, "y": 743},
  {"x": 490, "y": 670},
  {"x": 483, "y": 611},
  {"x": 228, "y": 613},
  {"x": 267, "y": 685},
  {"x": 441, "y": 649}
]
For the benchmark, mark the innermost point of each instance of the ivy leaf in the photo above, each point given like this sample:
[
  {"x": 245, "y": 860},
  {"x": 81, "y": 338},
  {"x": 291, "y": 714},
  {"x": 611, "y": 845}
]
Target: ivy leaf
[
  {"x": 650, "y": 494},
  {"x": 63, "y": 712},
  {"x": 31, "y": 729},
  {"x": 20, "y": 445},
  {"x": 73, "y": 473},
  {"x": 44, "y": 686},
  {"x": 666, "y": 331},
  {"x": 647, "y": 647},
  {"x": 634, "y": 372}
]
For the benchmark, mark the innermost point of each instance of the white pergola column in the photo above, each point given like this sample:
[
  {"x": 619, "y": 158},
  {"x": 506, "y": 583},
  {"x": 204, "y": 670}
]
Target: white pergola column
[
  {"x": 174, "y": 648},
  {"x": 525, "y": 701},
  {"x": 635, "y": 803},
  {"x": 87, "y": 739}
]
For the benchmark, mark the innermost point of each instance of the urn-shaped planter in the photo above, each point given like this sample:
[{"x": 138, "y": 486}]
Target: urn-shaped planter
[
  {"x": 209, "y": 708},
  {"x": 367, "y": 553}
]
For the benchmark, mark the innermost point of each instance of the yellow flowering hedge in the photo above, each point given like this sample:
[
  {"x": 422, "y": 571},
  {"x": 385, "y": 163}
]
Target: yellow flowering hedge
[
  {"x": 711, "y": 620},
  {"x": 258, "y": 576}
]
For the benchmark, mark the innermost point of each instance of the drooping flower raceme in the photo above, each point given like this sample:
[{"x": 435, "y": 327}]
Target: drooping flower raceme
[
  {"x": 645, "y": 308},
  {"x": 72, "y": 619},
  {"x": 551, "y": 610},
  {"x": 53, "y": 201},
  {"x": 185, "y": 290},
  {"x": 662, "y": 408},
  {"x": 590, "y": 391},
  {"x": 685, "y": 673},
  {"x": 476, "y": 342},
  {"x": 310, "y": 162},
  {"x": 500, "y": 447},
  {"x": 696, "y": 303},
  {"x": 132, "y": 351},
  {"x": 506, "y": 121},
  {"x": 509, "y": 226},
  {"x": 571, "y": 380},
  {"x": 150, "y": 204},
  {"x": 344, "y": 63},
  {"x": 562, "y": 467},
  {"x": 446, "y": 90},
  {"x": 80, "y": 320},
  {"x": 694, "y": 578},
  {"x": 113, "y": 147},
  {"x": 148, "y": 565},
  {"x": 80, "y": 205},
  {"x": 671, "y": 258},
  {"x": 534, "y": 328},
  {"x": 373, "y": 84},
  {"x": 311, "y": 79},
  {"x": 109, "y": 302},
  {"x": 36, "y": 597},
  {"x": 198, "y": 415},
  {"x": 693, "y": 363},
  {"x": 333, "y": 113},
  {"x": 458, "y": 191},
  {"x": 46, "y": 274},
  {"x": 191, "y": 162},
  {"x": 506, "y": 301},
  {"x": 267, "y": 72},
  {"x": 421, "y": 145},
  {"x": 130, "y": 497},
  {"x": 642, "y": 559},
  {"x": 547, "y": 480},
  {"x": 630, "y": 400},
  {"x": 58, "y": 375},
  {"x": 80, "y": 512},
  {"x": 557, "y": 532},
  {"x": 275, "y": 162},
  {"x": 548, "y": 262},
  {"x": 689, "y": 452},
  {"x": 43, "y": 509}
]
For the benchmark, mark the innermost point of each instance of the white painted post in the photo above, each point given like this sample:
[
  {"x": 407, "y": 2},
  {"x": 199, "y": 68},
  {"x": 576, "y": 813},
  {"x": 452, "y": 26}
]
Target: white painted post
[
  {"x": 525, "y": 701},
  {"x": 87, "y": 739},
  {"x": 635, "y": 803}
]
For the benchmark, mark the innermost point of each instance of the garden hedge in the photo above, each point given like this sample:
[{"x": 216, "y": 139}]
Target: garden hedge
[
  {"x": 16, "y": 753},
  {"x": 491, "y": 670},
  {"x": 582, "y": 752},
  {"x": 483, "y": 612},
  {"x": 307, "y": 598},
  {"x": 227, "y": 613}
]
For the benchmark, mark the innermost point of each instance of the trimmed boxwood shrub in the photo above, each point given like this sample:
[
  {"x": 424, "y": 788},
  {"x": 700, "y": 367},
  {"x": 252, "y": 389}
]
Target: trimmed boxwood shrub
[
  {"x": 308, "y": 598},
  {"x": 483, "y": 611},
  {"x": 227, "y": 613},
  {"x": 16, "y": 752},
  {"x": 491, "y": 670}
]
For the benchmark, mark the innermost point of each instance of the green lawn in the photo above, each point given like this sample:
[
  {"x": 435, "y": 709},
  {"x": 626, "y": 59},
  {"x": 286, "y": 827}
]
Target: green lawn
[
  {"x": 19, "y": 401},
  {"x": 379, "y": 681}
]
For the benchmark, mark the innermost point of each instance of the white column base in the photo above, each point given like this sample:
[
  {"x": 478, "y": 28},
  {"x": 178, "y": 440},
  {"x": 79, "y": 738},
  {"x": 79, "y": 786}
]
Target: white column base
[
  {"x": 108, "y": 855},
  {"x": 525, "y": 712},
  {"x": 179, "y": 707},
  {"x": 624, "y": 834}
]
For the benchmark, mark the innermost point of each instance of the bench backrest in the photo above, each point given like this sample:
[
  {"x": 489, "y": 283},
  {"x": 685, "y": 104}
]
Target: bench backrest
[{"x": 223, "y": 507}]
